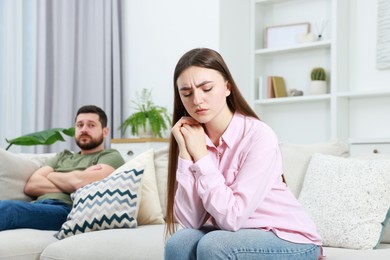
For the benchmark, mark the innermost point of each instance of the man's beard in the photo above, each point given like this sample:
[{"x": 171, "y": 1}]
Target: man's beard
[{"x": 92, "y": 144}]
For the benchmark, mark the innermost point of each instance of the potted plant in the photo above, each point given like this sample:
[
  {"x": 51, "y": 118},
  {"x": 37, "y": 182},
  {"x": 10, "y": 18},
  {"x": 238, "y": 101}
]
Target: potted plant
[
  {"x": 149, "y": 120},
  {"x": 318, "y": 81}
]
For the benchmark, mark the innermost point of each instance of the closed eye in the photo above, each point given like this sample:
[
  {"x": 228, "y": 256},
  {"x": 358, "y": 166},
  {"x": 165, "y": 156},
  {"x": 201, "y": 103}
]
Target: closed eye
[
  {"x": 207, "y": 89},
  {"x": 185, "y": 92}
]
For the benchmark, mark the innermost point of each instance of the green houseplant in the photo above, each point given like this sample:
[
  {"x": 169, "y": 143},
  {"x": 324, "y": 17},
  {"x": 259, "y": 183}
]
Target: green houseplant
[
  {"x": 318, "y": 81},
  {"x": 46, "y": 137},
  {"x": 148, "y": 116}
]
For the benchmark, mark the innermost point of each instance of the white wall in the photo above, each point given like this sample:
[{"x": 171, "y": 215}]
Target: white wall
[
  {"x": 368, "y": 117},
  {"x": 158, "y": 33},
  {"x": 235, "y": 44},
  {"x": 362, "y": 52}
]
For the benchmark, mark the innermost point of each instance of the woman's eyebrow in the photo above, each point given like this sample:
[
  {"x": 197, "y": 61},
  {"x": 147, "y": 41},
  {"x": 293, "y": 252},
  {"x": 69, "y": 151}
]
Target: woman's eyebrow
[
  {"x": 203, "y": 83},
  {"x": 184, "y": 88}
]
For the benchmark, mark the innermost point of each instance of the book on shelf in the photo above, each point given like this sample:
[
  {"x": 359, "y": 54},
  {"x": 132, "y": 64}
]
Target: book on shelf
[
  {"x": 279, "y": 87},
  {"x": 270, "y": 88}
]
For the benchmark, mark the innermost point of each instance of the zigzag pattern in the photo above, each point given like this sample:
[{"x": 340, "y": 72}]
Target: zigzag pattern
[
  {"x": 109, "y": 203},
  {"x": 115, "y": 221},
  {"x": 108, "y": 192}
]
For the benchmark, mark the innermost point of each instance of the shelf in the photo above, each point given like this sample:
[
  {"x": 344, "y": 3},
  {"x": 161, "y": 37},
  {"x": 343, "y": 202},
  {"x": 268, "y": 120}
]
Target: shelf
[
  {"x": 139, "y": 140},
  {"x": 364, "y": 94},
  {"x": 296, "y": 99},
  {"x": 303, "y": 47},
  {"x": 385, "y": 140},
  {"x": 267, "y": 2}
]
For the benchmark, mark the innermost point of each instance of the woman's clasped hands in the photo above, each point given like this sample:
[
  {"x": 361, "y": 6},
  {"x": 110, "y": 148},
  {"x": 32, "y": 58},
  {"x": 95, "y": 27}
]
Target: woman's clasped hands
[{"x": 190, "y": 137}]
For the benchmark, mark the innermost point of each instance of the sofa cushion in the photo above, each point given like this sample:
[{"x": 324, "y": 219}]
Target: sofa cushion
[
  {"x": 143, "y": 242},
  {"x": 24, "y": 243},
  {"x": 348, "y": 199},
  {"x": 150, "y": 208},
  {"x": 382, "y": 252},
  {"x": 296, "y": 158},
  {"x": 14, "y": 173},
  {"x": 161, "y": 167},
  {"x": 38, "y": 158},
  {"x": 15, "y": 170},
  {"x": 109, "y": 203},
  {"x": 386, "y": 231}
]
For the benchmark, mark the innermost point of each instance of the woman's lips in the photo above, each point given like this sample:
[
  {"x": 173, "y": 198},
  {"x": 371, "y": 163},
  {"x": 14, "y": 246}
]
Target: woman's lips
[{"x": 201, "y": 111}]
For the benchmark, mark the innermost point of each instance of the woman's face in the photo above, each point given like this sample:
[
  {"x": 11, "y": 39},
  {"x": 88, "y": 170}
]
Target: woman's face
[{"x": 203, "y": 93}]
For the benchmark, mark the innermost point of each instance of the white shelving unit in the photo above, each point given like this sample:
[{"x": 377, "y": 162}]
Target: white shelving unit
[
  {"x": 129, "y": 148},
  {"x": 301, "y": 119},
  {"x": 349, "y": 110},
  {"x": 303, "y": 46}
]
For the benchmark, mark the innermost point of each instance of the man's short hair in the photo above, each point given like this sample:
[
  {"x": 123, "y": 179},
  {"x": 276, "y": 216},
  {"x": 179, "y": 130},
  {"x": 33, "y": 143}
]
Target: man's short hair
[{"x": 95, "y": 110}]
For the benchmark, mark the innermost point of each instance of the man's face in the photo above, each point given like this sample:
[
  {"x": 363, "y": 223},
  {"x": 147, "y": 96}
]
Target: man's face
[{"x": 89, "y": 131}]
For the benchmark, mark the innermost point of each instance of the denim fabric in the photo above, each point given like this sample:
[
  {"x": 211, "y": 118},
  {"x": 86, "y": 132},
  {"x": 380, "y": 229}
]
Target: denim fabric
[
  {"x": 44, "y": 214},
  {"x": 245, "y": 244}
]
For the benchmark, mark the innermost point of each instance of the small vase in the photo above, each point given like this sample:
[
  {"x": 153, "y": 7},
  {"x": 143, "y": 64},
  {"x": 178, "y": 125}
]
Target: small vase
[
  {"x": 317, "y": 87},
  {"x": 145, "y": 132}
]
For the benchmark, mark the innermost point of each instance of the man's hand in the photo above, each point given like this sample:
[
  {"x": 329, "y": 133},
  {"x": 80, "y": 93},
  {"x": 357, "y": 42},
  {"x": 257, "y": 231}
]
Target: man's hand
[
  {"x": 94, "y": 167},
  {"x": 38, "y": 183},
  {"x": 70, "y": 181},
  {"x": 45, "y": 180}
]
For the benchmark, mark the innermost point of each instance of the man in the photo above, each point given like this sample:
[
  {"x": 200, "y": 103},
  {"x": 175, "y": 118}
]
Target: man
[{"x": 62, "y": 175}]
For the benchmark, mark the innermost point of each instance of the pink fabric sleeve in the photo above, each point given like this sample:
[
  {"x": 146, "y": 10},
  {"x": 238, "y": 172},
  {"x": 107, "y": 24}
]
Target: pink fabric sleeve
[{"x": 188, "y": 208}]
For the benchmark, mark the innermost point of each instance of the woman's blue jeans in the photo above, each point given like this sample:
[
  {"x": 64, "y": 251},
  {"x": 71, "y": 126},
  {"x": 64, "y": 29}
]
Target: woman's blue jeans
[
  {"x": 208, "y": 243},
  {"x": 43, "y": 214}
]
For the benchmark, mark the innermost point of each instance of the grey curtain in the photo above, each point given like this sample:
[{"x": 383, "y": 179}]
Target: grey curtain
[{"x": 79, "y": 48}]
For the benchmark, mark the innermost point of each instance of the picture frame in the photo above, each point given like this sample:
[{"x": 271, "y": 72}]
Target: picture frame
[{"x": 281, "y": 36}]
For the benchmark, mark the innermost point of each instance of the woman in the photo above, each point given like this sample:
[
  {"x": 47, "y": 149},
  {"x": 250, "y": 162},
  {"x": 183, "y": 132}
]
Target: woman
[{"x": 225, "y": 184}]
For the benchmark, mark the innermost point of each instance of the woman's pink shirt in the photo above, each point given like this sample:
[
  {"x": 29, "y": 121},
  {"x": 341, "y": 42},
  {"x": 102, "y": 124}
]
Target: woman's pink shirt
[{"x": 238, "y": 185}]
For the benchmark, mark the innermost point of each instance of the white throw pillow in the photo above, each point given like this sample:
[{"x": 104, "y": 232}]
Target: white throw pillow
[
  {"x": 106, "y": 204},
  {"x": 386, "y": 231},
  {"x": 348, "y": 199},
  {"x": 150, "y": 209},
  {"x": 14, "y": 172},
  {"x": 161, "y": 167},
  {"x": 296, "y": 158}
]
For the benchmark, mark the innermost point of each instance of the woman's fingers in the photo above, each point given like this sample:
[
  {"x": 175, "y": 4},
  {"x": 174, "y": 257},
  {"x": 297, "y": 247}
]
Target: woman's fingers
[{"x": 188, "y": 120}]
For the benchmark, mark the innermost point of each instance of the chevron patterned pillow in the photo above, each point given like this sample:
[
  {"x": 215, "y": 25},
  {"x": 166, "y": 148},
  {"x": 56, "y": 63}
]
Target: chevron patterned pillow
[{"x": 109, "y": 203}]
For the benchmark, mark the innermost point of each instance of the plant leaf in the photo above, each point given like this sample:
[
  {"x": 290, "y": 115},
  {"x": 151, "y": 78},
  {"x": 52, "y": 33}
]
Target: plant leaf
[
  {"x": 145, "y": 109},
  {"x": 45, "y": 137}
]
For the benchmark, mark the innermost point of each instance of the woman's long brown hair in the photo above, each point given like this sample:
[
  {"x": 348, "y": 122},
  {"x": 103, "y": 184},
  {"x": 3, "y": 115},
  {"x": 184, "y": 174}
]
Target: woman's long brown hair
[{"x": 204, "y": 58}]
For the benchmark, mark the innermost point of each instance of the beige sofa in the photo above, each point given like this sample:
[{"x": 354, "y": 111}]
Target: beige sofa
[{"x": 147, "y": 240}]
